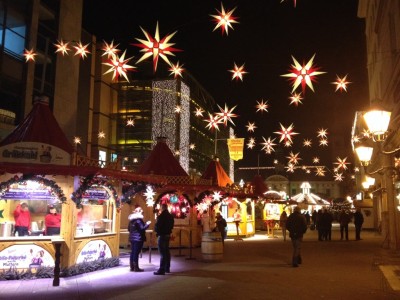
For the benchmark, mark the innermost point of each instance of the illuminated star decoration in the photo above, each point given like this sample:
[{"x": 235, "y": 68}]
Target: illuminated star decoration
[
  {"x": 289, "y": 168},
  {"x": 192, "y": 146},
  {"x": 216, "y": 196},
  {"x": 101, "y": 135},
  {"x": 294, "y": 2},
  {"x": 320, "y": 171},
  {"x": 238, "y": 72},
  {"x": 323, "y": 142},
  {"x": 213, "y": 122},
  {"x": 316, "y": 160},
  {"x": 295, "y": 99},
  {"x": 29, "y": 55},
  {"x": 81, "y": 50},
  {"x": 178, "y": 109},
  {"x": 176, "y": 70},
  {"x": 268, "y": 145},
  {"x": 62, "y": 47},
  {"x": 156, "y": 47},
  {"x": 307, "y": 143},
  {"x": 251, "y": 143},
  {"x": 119, "y": 66},
  {"x": 286, "y": 133},
  {"x": 224, "y": 19},
  {"x": 130, "y": 122},
  {"x": 149, "y": 194},
  {"x": 77, "y": 140},
  {"x": 110, "y": 49},
  {"x": 397, "y": 162},
  {"x": 303, "y": 74},
  {"x": 322, "y": 133},
  {"x": 293, "y": 158},
  {"x": 338, "y": 177},
  {"x": 341, "y": 83},
  {"x": 262, "y": 106},
  {"x": 251, "y": 127},
  {"x": 226, "y": 114},
  {"x": 341, "y": 163},
  {"x": 198, "y": 112}
]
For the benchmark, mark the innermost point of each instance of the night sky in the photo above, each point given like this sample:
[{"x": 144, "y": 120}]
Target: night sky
[{"x": 268, "y": 34}]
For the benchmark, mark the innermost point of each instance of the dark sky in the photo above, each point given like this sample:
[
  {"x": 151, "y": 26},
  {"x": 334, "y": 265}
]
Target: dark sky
[{"x": 268, "y": 34}]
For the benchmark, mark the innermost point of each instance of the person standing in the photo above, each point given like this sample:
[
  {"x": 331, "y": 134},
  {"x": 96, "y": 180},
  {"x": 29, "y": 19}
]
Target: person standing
[
  {"x": 22, "y": 218},
  {"x": 344, "y": 220},
  {"x": 222, "y": 226},
  {"x": 163, "y": 228},
  {"x": 297, "y": 226},
  {"x": 282, "y": 223},
  {"x": 137, "y": 236},
  {"x": 52, "y": 221},
  {"x": 358, "y": 222}
]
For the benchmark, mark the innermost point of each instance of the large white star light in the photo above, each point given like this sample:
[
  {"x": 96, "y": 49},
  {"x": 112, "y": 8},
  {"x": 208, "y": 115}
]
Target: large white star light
[{"x": 224, "y": 19}]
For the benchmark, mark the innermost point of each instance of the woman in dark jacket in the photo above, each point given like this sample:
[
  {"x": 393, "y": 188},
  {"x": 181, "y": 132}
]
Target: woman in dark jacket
[{"x": 137, "y": 236}]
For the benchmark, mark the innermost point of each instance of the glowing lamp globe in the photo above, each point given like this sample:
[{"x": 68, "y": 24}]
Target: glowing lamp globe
[
  {"x": 364, "y": 154},
  {"x": 378, "y": 123}
]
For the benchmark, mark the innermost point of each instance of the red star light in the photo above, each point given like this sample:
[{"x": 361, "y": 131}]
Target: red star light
[
  {"x": 62, "y": 47},
  {"x": 81, "y": 50},
  {"x": 156, "y": 47},
  {"x": 176, "y": 70},
  {"x": 238, "y": 72},
  {"x": 226, "y": 114},
  {"x": 29, "y": 55},
  {"x": 341, "y": 83},
  {"x": 213, "y": 122},
  {"x": 119, "y": 66},
  {"x": 224, "y": 19},
  {"x": 262, "y": 106},
  {"x": 341, "y": 164},
  {"x": 110, "y": 49},
  {"x": 295, "y": 99},
  {"x": 286, "y": 133},
  {"x": 303, "y": 74}
]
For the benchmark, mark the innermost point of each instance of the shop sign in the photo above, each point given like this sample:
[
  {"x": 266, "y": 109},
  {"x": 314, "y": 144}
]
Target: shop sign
[
  {"x": 94, "y": 250},
  {"x": 31, "y": 152},
  {"x": 235, "y": 147},
  {"x": 96, "y": 194},
  {"x": 28, "y": 194},
  {"x": 25, "y": 257}
]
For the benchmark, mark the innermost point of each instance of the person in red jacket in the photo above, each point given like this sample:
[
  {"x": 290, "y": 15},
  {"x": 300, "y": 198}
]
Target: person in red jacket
[
  {"x": 22, "y": 218},
  {"x": 52, "y": 221}
]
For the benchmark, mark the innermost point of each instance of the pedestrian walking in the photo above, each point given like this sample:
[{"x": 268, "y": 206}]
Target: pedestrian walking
[
  {"x": 344, "y": 220},
  {"x": 282, "y": 223},
  {"x": 297, "y": 226},
  {"x": 358, "y": 222},
  {"x": 163, "y": 228},
  {"x": 137, "y": 236}
]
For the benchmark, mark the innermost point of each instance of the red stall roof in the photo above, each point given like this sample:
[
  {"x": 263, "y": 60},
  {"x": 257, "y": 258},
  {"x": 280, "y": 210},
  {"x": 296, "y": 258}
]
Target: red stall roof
[
  {"x": 161, "y": 161},
  {"x": 39, "y": 126},
  {"x": 217, "y": 174},
  {"x": 259, "y": 186}
]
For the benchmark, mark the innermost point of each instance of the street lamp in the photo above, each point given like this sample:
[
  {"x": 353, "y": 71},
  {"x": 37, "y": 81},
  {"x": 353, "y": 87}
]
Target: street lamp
[{"x": 378, "y": 124}]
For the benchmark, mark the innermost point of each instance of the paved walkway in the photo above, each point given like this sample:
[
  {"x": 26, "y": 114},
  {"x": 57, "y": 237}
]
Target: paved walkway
[{"x": 255, "y": 268}]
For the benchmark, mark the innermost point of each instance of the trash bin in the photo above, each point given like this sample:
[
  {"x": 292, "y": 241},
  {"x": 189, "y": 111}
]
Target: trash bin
[{"x": 212, "y": 249}]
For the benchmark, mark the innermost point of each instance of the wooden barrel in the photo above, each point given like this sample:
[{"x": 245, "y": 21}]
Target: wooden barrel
[{"x": 212, "y": 249}]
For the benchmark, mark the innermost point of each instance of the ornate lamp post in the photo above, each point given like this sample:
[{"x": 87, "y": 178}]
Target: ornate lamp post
[{"x": 378, "y": 123}]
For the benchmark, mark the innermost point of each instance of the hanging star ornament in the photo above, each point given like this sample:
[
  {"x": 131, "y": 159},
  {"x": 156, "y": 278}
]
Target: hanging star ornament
[
  {"x": 342, "y": 163},
  {"x": 268, "y": 145},
  {"x": 110, "y": 50},
  {"x": 251, "y": 143},
  {"x": 81, "y": 50},
  {"x": 213, "y": 122},
  {"x": 320, "y": 171},
  {"x": 176, "y": 70},
  {"x": 293, "y": 158},
  {"x": 251, "y": 127},
  {"x": 101, "y": 135},
  {"x": 119, "y": 66},
  {"x": 29, "y": 55},
  {"x": 198, "y": 112},
  {"x": 322, "y": 133},
  {"x": 307, "y": 143},
  {"x": 286, "y": 133},
  {"x": 323, "y": 142},
  {"x": 338, "y": 177},
  {"x": 156, "y": 47},
  {"x": 295, "y": 99},
  {"x": 224, "y": 19},
  {"x": 238, "y": 72},
  {"x": 62, "y": 47},
  {"x": 341, "y": 83},
  {"x": 226, "y": 114},
  {"x": 130, "y": 122},
  {"x": 316, "y": 160},
  {"x": 303, "y": 74},
  {"x": 262, "y": 106}
]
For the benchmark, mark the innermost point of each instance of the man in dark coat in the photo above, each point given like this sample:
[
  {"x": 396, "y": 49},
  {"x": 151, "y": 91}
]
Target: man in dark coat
[
  {"x": 297, "y": 226},
  {"x": 344, "y": 220},
  {"x": 163, "y": 228},
  {"x": 358, "y": 221}
]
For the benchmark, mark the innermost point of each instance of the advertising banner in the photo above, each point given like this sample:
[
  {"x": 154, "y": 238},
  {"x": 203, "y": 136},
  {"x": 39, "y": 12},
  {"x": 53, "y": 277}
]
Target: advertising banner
[
  {"x": 94, "y": 250},
  {"x": 235, "y": 147},
  {"x": 25, "y": 257}
]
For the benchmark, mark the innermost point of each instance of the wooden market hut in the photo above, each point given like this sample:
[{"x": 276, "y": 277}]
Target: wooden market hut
[{"x": 39, "y": 166}]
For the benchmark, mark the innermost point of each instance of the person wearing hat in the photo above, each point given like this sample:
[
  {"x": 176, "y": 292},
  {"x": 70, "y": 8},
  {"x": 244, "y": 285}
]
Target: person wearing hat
[
  {"x": 22, "y": 218},
  {"x": 52, "y": 221},
  {"x": 137, "y": 236},
  {"x": 297, "y": 226}
]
